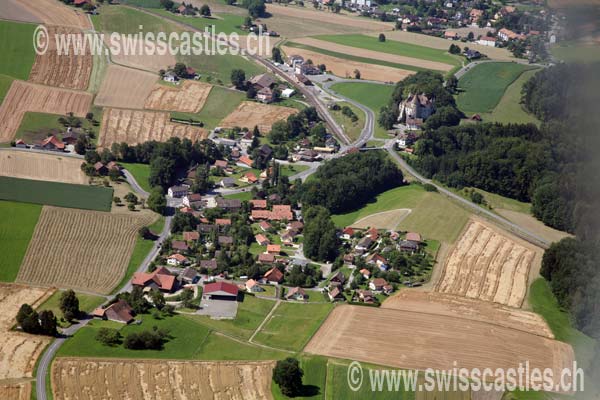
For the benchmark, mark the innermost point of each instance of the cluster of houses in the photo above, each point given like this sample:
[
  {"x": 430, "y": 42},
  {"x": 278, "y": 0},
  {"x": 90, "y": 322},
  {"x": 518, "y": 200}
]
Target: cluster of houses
[{"x": 65, "y": 143}]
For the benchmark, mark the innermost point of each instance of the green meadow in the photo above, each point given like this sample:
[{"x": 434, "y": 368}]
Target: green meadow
[{"x": 16, "y": 47}]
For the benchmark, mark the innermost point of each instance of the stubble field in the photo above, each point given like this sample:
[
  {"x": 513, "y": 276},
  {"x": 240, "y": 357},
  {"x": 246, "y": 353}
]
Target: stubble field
[
  {"x": 17, "y": 391},
  {"x": 250, "y": 114},
  {"x": 69, "y": 72},
  {"x": 489, "y": 265},
  {"x": 52, "y": 12},
  {"x": 77, "y": 249},
  {"x": 42, "y": 167},
  {"x": 134, "y": 127},
  {"x": 76, "y": 378},
  {"x": 189, "y": 97},
  {"x": 125, "y": 88},
  {"x": 388, "y": 220},
  {"x": 24, "y": 96},
  {"x": 414, "y": 340},
  {"x": 151, "y": 63}
]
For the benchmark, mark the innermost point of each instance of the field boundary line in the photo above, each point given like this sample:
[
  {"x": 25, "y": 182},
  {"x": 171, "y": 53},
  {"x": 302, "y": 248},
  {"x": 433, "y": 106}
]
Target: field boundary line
[{"x": 265, "y": 320}]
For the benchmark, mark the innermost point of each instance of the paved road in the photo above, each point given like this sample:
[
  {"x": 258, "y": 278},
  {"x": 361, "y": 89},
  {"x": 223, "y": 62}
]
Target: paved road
[{"x": 134, "y": 184}]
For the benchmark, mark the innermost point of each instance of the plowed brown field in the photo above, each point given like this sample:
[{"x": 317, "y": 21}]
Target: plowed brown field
[
  {"x": 125, "y": 88},
  {"x": 489, "y": 265},
  {"x": 79, "y": 249},
  {"x": 134, "y": 127},
  {"x": 249, "y": 114},
  {"x": 190, "y": 97},
  {"x": 52, "y": 12},
  {"x": 24, "y": 96},
  {"x": 415, "y": 340},
  {"x": 469, "y": 309},
  {"x": 17, "y": 391},
  {"x": 76, "y": 378},
  {"x": 64, "y": 71},
  {"x": 18, "y": 351},
  {"x": 41, "y": 167},
  {"x": 345, "y": 68}
]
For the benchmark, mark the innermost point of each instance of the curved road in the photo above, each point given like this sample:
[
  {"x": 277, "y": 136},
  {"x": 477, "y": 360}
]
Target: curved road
[{"x": 50, "y": 352}]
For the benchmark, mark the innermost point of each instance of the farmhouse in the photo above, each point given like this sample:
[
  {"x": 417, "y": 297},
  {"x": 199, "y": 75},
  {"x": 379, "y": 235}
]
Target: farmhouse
[
  {"x": 265, "y": 95},
  {"x": 266, "y": 258},
  {"x": 296, "y": 293},
  {"x": 220, "y": 291},
  {"x": 52, "y": 143},
  {"x": 160, "y": 279},
  {"x": 335, "y": 294},
  {"x": 380, "y": 285},
  {"x": 262, "y": 81},
  {"x": 274, "y": 275},
  {"x": 192, "y": 200},
  {"x": 406, "y": 245},
  {"x": 366, "y": 296},
  {"x": 338, "y": 278},
  {"x": 413, "y": 237},
  {"x": 364, "y": 244},
  {"x": 188, "y": 276},
  {"x": 177, "y": 191},
  {"x": 117, "y": 312},
  {"x": 177, "y": 259}
]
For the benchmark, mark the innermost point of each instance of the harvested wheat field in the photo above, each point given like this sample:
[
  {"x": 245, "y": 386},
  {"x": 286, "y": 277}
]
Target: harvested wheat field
[
  {"x": 125, "y": 88},
  {"x": 414, "y": 340},
  {"x": 52, "y": 69},
  {"x": 489, "y": 265},
  {"x": 77, "y": 249},
  {"x": 19, "y": 351},
  {"x": 41, "y": 167},
  {"x": 345, "y": 68},
  {"x": 16, "y": 391},
  {"x": 134, "y": 127},
  {"x": 470, "y": 309},
  {"x": 249, "y": 114},
  {"x": 77, "y": 378},
  {"x": 189, "y": 97},
  {"x": 388, "y": 220},
  {"x": 24, "y": 96},
  {"x": 376, "y": 55},
  {"x": 52, "y": 12},
  {"x": 151, "y": 63},
  {"x": 14, "y": 10}
]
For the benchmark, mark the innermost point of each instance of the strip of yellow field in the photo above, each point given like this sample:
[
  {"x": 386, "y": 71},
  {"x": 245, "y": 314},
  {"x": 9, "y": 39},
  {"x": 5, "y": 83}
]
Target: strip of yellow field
[{"x": 376, "y": 55}]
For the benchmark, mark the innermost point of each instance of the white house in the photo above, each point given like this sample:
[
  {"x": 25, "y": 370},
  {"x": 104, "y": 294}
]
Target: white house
[
  {"x": 253, "y": 287},
  {"x": 192, "y": 200},
  {"x": 177, "y": 191},
  {"x": 487, "y": 41},
  {"x": 287, "y": 93},
  {"x": 177, "y": 259},
  {"x": 170, "y": 77}
]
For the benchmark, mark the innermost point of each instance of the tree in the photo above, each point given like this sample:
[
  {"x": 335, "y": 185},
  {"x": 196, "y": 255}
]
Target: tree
[
  {"x": 477, "y": 197},
  {"x": 471, "y": 36},
  {"x": 157, "y": 201},
  {"x": 158, "y": 299},
  {"x": 114, "y": 174},
  {"x": 24, "y": 311},
  {"x": 205, "y": 10},
  {"x": 31, "y": 323},
  {"x": 356, "y": 74},
  {"x": 145, "y": 233},
  {"x": 92, "y": 157},
  {"x": 48, "y": 323},
  {"x": 454, "y": 49},
  {"x": 276, "y": 55},
  {"x": 452, "y": 83},
  {"x": 69, "y": 305},
  {"x": 180, "y": 70},
  {"x": 320, "y": 238},
  {"x": 89, "y": 116},
  {"x": 131, "y": 198},
  {"x": 81, "y": 145},
  {"x": 108, "y": 336},
  {"x": 251, "y": 92},
  {"x": 167, "y": 4},
  {"x": 238, "y": 78},
  {"x": 162, "y": 172},
  {"x": 186, "y": 298},
  {"x": 381, "y": 37},
  {"x": 288, "y": 375}
]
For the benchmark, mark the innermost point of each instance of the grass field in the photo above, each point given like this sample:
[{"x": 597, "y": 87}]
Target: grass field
[
  {"x": 345, "y": 56},
  {"x": 251, "y": 312},
  {"x": 142, "y": 3},
  {"x": 573, "y": 52},
  {"x": 17, "y": 222},
  {"x": 219, "y": 67},
  {"x": 87, "y": 303},
  {"x": 434, "y": 216},
  {"x": 56, "y": 194},
  {"x": 239, "y": 196},
  {"x": 314, "y": 379},
  {"x": 292, "y": 169},
  {"x": 292, "y": 325},
  {"x": 484, "y": 85},
  {"x": 119, "y": 19},
  {"x": 372, "y": 95},
  {"x": 5, "y": 82},
  {"x": 509, "y": 109},
  {"x": 226, "y": 23},
  {"x": 37, "y": 126},
  {"x": 141, "y": 173},
  {"x": 16, "y": 48},
  {"x": 140, "y": 251},
  {"x": 220, "y": 103},
  {"x": 352, "y": 129},
  {"x": 393, "y": 47}
]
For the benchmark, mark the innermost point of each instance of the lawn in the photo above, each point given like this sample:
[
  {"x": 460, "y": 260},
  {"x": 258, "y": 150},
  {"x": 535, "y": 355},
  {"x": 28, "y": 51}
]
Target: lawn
[
  {"x": 5, "y": 82},
  {"x": 483, "y": 86},
  {"x": 433, "y": 216},
  {"x": 243, "y": 196},
  {"x": 142, "y": 3},
  {"x": 251, "y": 312},
  {"x": 140, "y": 251},
  {"x": 141, "y": 173},
  {"x": 18, "y": 54},
  {"x": 393, "y": 47},
  {"x": 292, "y": 325},
  {"x": 372, "y": 95},
  {"x": 114, "y": 18},
  {"x": 292, "y": 169},
  {"x": 36, "y": 126},
  {"x": 56, "y": 194},
  {"x": 352, "y": 129},
  {"x": 226, "y": 23},
  {"x": 87, "y": 303},
  {"x": 314, "y": 379},
  {"x": 575, "y": 52},
  {"x": 220, "y": 103},
  {"x": 509, "y": 109},
  {"x": 17, "y": 222}
]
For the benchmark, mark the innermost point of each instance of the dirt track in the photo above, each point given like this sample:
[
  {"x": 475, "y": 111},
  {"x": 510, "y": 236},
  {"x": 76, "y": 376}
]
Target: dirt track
[
  {"x": 249, "y": 114},
  {"x": 345, "y": 68},
  {"x": 76, "y": 378},
  {"x": 52, "y": 69},
  {"x": 388, "y": 220},
  {"x": 52, "y": 12},
  {"x": 135, "y": 127},
  {"x": 77, "y": 249},
  {"x": 376, "y": 55},
  {"x": 489, "y": 265},
  {"x": 188, "y": 97},
  {"x": 24, "y": 96},
  {"x": 42, "y": 167},
  {"x": 125, "y": 88},
  {"x": 415, "y": 340}
]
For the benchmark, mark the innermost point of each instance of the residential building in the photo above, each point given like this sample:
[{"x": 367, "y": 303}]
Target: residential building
[
  {"x": 252, "y": 286},
  {"x": 210, "y": 265},
  {"x": 262, "y": 240},
  {"x": 273, "y": 249},
  {"x": 266, "y": 258},
  {"x": 160, "y": 279},
  {"x": 191, "y": 236},
  {"x": 192, "y": 200},
  {"x": 487, "y": 41},
  {"x": 177, "y": 259},
  {"x": 188, "y": 276},
  {"x": 296, "y": 293},
  {"x": 265, "y": 95},
  {"x": 258, "y": 204},
  {"x": 179, "y": 245},
  {"x": 364, "y": 244},
  {"x": 377, "y": 284},
  {"x": 227, "y": 182},
  {"x": 177, "y": 191},
  {"x": 120, "y": 311},
  {"x": 273, "y": 276}
]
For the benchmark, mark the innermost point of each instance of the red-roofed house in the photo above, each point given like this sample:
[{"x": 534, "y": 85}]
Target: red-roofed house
[
  {"x": 265, "y": 226},
  {"x": 347, "y": 233},
  {"x": 259, "y": 204},
  {"x": 179, "y": 245},
  {"x": 262, "y": 240},
  {"x": 281, "y": 212},
  {"x": 160, "y": 279},
  {"x": 296, "y": 293},
  {"x": 191, "y": 236},
  {"x": 266, "y": 258},
  {"x": 273, "y": 276},
  {"x": 273, "y": 249},
  {"x": 52, "y": 143},
  {"x": 249, "y": 177},
  {"x": 253, "y": 287},
  {"x": 373, "y": 234},
  {"x": 413, "y": 237},
  {"x": 245, "y": 160},
  {"x": 223, "y": 221},
  {"x": 220, "y": 291},
  {"x": 177, "y": 259},
  {"x": 118, "y": 312},
  {"x": 260, "y": 214}
]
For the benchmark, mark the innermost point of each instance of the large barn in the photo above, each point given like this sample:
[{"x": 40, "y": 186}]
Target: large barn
[{"x": 220, "y": 291}]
